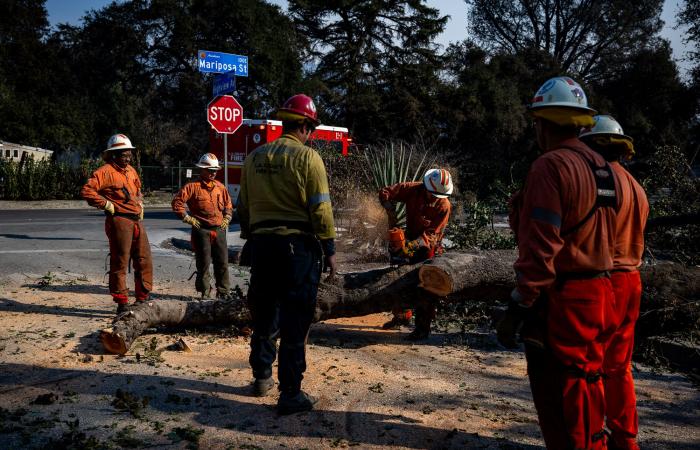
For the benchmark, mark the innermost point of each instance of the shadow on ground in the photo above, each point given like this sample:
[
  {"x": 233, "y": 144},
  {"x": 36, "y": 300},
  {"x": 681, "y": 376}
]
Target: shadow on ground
[{"x": 203, "y": 401}]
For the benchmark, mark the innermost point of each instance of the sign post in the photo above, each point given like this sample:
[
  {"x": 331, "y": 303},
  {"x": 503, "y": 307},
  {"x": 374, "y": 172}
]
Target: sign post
[{"x": 225, "y": 115}]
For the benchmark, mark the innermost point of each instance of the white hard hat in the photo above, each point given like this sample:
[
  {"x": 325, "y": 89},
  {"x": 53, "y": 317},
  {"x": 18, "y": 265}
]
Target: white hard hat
[
  {"x": 438, "y": 182},
  {"x": 604, "y": 125},
  {"x": 208, "y": 161},
  {"x": 561, "y": 91},
  {"x": 119, "y": 142}
]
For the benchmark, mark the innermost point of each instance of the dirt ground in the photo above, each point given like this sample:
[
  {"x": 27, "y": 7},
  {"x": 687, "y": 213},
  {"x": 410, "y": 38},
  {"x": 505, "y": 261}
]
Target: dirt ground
[{"x": 59, "y": 389}]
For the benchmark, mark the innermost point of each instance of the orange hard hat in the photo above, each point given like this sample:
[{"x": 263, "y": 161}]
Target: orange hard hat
[{"x": 299, "y": 107}]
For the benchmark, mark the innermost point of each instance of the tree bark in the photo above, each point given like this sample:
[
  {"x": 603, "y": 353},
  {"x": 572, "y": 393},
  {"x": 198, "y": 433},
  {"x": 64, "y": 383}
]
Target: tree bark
[
  {"x": 485, "y": 275},
  {"x": 455, "y": 276}
]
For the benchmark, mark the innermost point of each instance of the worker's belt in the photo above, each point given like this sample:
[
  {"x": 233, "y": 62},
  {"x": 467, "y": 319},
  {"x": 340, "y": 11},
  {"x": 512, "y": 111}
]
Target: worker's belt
[
  {"x": 134, "y": 217},
  {"x": 563, "y": 277},
  {"x": 291, "y": 224},
  {"x": 623, "y": 270},
  {"x": 591, "y": 275}
]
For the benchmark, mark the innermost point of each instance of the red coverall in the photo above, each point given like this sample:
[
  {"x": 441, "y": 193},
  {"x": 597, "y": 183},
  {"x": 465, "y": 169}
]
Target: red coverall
[
  {"x": 125, "y": 231},
  {"x": 426, "y": 219},
  {"x": 565, "y": 277},
  {"x": 620, "y": 400}
]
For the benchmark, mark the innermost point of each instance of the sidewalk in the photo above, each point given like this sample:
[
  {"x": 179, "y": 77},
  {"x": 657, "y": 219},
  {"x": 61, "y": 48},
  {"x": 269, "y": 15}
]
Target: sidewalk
[{"x": 69, "y": 204}]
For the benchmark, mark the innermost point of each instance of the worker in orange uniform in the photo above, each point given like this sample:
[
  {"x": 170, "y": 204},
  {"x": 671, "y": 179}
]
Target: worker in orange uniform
[
  {"x": 287, "y": 218},
  {"x": 427, "y": 213},
  {"x": 115, "y": 188},
  {"x": 607, "y": 138},
  {"x": 565, "y": 219},
  {"x": 210, "y": 212}
]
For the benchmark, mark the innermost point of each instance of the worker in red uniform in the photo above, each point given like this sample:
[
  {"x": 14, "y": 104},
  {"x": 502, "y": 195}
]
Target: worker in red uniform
[
  {"x": 427, "y": 213},
  {"x": 565, "y": 223},
  {"x": 607, "y": 138},
  {"x": 210, "y": 212},
  {"x": 115, "y": 188}
]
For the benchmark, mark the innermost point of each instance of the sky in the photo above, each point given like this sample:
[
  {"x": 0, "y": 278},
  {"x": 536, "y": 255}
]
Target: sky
[{"x": 71, "y": 11}]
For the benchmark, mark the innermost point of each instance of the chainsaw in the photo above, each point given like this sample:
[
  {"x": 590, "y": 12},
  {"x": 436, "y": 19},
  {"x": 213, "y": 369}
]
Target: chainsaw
[{"x": 400, "y": 252}]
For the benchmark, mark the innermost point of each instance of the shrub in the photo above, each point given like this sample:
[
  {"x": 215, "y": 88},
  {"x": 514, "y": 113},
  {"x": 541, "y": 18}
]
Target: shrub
[{"x": 42, "y": 180}]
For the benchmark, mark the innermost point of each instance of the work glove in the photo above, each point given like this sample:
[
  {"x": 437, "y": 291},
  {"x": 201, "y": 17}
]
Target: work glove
[
  {"x": 411, "y": 247},
  {"x": 225, "y": 223},
  {"x": 109, "y": 207},
  {"x": 388, "y": 205},
  {"x": 192, "y": 221}
]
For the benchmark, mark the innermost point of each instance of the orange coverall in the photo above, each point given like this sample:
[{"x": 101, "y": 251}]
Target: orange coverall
[
  {"x": 426, "y": 219},
  {"x": 564, "y": 276},
  {"x": 209, "y": 203},
  {"x": 125, "y": 231},
  {"x": 620, "y": 399}
]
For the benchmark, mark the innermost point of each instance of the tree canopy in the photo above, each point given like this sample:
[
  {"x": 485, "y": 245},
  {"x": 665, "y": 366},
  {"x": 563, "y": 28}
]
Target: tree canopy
[{"x": 373, "y": 66}]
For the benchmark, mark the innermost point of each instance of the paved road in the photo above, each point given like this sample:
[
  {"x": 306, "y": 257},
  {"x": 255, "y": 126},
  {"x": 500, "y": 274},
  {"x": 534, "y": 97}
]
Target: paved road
[{"x": 34, "y": 242}]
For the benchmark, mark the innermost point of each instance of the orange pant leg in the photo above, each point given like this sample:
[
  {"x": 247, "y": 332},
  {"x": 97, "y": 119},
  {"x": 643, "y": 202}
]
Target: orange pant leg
[
  {"x": 621, "y": 402},
  {"x": 579, "y": 315},
  {"x": 142, "y": 261}
]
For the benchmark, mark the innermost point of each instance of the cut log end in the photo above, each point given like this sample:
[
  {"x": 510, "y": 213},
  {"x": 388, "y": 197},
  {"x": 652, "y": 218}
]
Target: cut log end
[
  {"x": 113, "y": 342},
  {"x": 435, "y": 280}
]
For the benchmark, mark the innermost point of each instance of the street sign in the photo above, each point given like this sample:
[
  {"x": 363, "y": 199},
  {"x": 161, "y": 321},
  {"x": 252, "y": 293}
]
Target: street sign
[
  {"x": 188, "y": 174},
  {"x": 224, "y": 83},
  {"x": 225, "y": 114},
  {"x": 217, "y": 62}
]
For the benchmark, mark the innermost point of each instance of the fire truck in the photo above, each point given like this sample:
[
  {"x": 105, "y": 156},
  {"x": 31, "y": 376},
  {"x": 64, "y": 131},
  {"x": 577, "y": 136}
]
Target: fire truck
[{"x": 254, "y": 133}]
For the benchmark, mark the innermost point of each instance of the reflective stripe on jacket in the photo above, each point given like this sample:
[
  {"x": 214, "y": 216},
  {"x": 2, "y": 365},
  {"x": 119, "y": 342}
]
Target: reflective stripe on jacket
[
  {"x": 209, "y": 204},
  {"x": 560, "y": 190},
  {"x": 120, "y": 186},
  {"x": 631, "y": 220},
  {"x": 285, "y": 182},
  {"x": 426, "y": 217}
]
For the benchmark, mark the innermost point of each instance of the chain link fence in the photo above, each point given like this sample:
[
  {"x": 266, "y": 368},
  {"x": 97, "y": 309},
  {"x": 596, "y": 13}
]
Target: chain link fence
[{"x": 166, "y": 178}]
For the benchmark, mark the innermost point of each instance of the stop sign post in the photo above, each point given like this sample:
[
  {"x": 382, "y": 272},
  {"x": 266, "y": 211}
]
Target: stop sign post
[{"x": 225, "y": 115}]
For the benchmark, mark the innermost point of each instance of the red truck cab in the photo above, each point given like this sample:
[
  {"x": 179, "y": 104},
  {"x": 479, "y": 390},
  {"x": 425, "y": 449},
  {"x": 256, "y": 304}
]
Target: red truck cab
[{"x": 254, "y": 133}]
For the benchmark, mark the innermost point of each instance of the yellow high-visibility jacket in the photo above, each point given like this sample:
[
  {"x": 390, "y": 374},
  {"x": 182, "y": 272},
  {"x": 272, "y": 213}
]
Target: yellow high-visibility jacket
[{"x": 284, "y": 183}]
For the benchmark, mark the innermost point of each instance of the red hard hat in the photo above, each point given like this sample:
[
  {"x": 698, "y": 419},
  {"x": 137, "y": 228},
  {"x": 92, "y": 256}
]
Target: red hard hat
[{"x": 299, "y": 107}]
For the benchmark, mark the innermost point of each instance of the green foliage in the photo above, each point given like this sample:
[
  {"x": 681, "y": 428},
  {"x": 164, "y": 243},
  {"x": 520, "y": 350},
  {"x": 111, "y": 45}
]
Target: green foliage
[
  {"x": 394, "y": 162},
  {"x": 673, "y": 190},
  {"x": 42, "y": 180},
  {"x": 583, "y": 35},
  {"x": 376, "y": 62},
  {"x": 472, "y": 227}
]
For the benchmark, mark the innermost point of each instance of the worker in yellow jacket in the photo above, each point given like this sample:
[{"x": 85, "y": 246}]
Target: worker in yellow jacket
[{"x": 286, "y": 216}]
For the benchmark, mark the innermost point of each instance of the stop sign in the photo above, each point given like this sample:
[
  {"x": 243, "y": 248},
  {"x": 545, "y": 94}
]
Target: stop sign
[{"x": 225, "y": 114}]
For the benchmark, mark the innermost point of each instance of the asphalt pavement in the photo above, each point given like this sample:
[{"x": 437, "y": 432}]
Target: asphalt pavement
[{"x": 35, "y": 242}]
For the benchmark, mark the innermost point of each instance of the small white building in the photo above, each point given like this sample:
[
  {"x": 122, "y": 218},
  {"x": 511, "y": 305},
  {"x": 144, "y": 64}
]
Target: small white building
[{"x": 15, "y": 152}]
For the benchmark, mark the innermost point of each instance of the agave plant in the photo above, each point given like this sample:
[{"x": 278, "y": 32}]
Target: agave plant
[{"x": 393, "y": 163}]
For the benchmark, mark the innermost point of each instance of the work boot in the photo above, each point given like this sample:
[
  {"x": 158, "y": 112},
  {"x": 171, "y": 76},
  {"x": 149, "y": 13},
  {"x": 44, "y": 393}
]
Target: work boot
[
  {"x": 122, "y": 308},
  {"x": 296, "y": 403},
  {"x": 396, "y": 322},
  {"x": 418, "y": 334},
  {"x": 261, "y": 386}
]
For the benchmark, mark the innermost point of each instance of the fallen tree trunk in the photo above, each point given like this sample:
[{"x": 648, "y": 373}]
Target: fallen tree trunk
[
  {"x": 484, "y": 275},
  {"x": 455, "y": 276}
]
